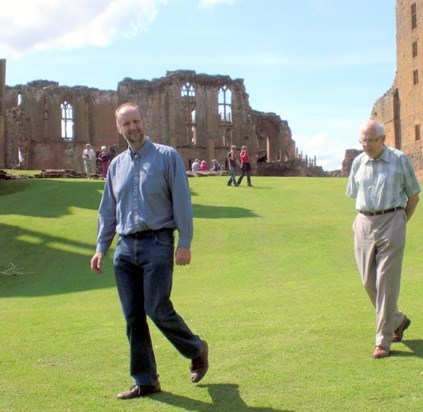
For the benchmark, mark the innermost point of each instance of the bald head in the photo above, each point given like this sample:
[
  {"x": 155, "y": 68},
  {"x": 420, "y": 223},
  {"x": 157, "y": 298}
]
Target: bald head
[
  {"x": 372, "y": 137},
  {"x": 373, "y": 129}
]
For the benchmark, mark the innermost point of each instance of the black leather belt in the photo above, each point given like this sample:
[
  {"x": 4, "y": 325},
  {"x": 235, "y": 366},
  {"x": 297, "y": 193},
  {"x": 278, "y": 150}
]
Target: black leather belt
[
  {"x": 380, "y": 212},
  {"x": 147, "y": 233}
]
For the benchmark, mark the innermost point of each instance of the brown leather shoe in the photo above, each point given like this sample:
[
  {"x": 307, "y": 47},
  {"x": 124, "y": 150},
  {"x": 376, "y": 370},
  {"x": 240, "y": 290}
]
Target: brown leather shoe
[
  {"x": 380, "y": 352},
  {"x": 199, "y": 366},
  {"x": 399, "y": 332},
  {"x": 140, "y": 390}
]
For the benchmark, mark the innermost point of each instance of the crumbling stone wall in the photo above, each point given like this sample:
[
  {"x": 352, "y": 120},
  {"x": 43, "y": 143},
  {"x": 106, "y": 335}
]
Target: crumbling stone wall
[
  {"x": 165, "y": 108},
  {"x": 182, "y": 109},
  {"x": 34, "y": 123},
  {"x": 2, "y": 113},
  {"x": 401, "y": 108},
  {"x": 350, "y": 155}
]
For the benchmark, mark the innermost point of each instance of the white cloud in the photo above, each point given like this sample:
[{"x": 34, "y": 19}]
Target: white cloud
[
  {"x": 31, "y": 25},
  {"x": 328, "y": 150},
  {"x": 211, "y": 3}
]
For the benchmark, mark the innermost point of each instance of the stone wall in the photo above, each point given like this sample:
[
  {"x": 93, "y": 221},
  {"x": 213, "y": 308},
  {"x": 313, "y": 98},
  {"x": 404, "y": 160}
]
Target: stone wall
[
  {"x": 183, "y": 109},
  {"x": 401, "y": 108},
  {"x": 350, "y": 155}
]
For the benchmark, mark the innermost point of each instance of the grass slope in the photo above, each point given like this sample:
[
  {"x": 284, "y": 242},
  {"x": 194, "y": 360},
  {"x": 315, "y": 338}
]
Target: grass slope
[{"x": 273, "y": 287}]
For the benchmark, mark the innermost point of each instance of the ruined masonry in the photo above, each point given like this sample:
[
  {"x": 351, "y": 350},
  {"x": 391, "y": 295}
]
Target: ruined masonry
[
  {"x": 400, "y": 109},
  {"x": 45, "y": 126}
]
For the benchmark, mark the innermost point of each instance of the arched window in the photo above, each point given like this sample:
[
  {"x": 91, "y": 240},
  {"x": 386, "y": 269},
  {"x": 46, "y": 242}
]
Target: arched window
[
  {"x": 225, "y": 115},
  {"x": 67, "y": 121},
  {"x": 189, "y": 108},
  {"x": 225, "y": 105},
  {"x": 187, "y": 90}
]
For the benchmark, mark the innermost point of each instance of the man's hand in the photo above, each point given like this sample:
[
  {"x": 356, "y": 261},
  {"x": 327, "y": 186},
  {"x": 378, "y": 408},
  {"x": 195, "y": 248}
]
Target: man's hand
[
  {"x": 183, "y": 256},
  {"x": 97, "y": 262}
]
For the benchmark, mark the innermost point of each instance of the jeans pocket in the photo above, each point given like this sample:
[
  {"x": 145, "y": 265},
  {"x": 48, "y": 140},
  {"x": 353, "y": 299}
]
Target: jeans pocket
[{"x": 165, "y": 238}]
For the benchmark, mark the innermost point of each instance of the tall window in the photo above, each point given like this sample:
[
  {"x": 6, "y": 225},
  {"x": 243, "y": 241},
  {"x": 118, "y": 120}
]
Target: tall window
[
  {"x": 417, "y": 131},
  {"x": 413, "y": 16},
  {"x": 415, "y": 49},
  {"x": 415, "y": 76},
  {"x": 225, "y": 105},
  {"x": 225, "y": 115},
  {"x": 189, "y": 108},
  {"x": 187, "y": 90},
  {"x": 67, "y": 121}
]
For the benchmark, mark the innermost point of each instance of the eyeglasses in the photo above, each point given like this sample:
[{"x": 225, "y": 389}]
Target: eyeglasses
[{"x": 367, "y": 141}]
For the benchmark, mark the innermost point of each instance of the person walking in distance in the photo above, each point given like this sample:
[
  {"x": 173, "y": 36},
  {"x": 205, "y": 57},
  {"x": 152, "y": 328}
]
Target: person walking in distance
[
  {"x": 104, "y": 158},
  {"x": 232, "y": 163},
  {"x": 146, "y": 198},
  {"x": 245, "y": 166},
  {"x": 89, "y": 159},
  {"x": 384, "y": 185}
]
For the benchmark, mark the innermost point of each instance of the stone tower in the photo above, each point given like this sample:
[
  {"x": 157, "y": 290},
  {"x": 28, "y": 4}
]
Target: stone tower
[{"x": 401, "y": 108}]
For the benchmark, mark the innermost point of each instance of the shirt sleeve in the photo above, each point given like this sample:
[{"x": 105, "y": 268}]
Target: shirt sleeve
[
  {"x": 106, "y": 218},
  {"x": 411, "y": 184},
  {"x": 181, "y": 200},
  {"x": 352, "y": 188}
]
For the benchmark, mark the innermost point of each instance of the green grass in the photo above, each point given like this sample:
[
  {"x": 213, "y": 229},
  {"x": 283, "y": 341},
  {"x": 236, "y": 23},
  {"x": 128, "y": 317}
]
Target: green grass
[{"x": 273, "y": 288}]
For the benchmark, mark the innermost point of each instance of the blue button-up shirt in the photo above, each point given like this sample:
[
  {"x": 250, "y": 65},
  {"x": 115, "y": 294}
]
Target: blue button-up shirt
[
  {"x": 146, "y": 190},
  {"x": 382, "y": 183}
]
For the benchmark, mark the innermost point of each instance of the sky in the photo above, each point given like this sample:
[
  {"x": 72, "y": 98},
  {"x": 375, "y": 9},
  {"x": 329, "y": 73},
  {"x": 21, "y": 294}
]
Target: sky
[{"x": 318, "y": 64}]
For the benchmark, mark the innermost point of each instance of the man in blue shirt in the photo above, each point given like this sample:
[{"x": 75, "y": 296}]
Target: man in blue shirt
[
  {"x": 383, "y": 182},
  {"x": 146, "y": 197}
]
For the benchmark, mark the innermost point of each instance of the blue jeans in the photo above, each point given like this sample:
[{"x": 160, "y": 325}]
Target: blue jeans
[
  {"x": 143, "y": 270},
  {"x": 232, "y": 179}
]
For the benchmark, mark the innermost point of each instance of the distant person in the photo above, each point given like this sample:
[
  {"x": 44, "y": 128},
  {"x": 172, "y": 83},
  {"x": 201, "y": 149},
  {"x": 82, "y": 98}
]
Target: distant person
[
  {"x": 216, "y": 166},
  {"x": 383, "y": 182},
  {"x": 232, "y": 162},
  {"x": 146, "y": 198},
  {"x": 204, "y": 166},
  {"x": 104, "y": 158},
  {"x": 89, "y": 157},
  {"x": 195, "y": 167},
  {"x": 245, "y": 166}
]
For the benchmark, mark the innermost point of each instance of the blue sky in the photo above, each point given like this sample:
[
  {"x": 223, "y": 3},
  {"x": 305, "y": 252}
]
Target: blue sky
[{"x": 319, "y": 64}]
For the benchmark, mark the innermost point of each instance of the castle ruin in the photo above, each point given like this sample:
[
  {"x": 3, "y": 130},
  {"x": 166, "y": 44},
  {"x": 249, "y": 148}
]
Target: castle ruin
[
  {"x": 400, "y": 109},
  {"x": 44, "y": 125}
]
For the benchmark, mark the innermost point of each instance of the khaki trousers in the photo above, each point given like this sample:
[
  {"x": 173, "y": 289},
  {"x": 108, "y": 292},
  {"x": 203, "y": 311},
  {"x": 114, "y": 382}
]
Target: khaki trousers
[{"x": 379, "y": 243}]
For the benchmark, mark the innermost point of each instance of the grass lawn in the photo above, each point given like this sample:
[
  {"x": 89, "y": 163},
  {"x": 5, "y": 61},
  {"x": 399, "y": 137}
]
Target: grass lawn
[{"x": 273, "y": 288}]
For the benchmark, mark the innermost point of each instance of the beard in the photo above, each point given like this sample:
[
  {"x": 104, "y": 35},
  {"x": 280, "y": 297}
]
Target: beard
[{"x": 135, "y": 138}]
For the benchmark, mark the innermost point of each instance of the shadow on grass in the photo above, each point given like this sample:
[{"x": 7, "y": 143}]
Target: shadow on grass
[
  {"x": 54, "y": 197},
  {"x": 49, "y": 264},
  {"x": 225, "y": 397},
  {"x": 219, "y": 212},
  {"x": 416, "y": 345}
]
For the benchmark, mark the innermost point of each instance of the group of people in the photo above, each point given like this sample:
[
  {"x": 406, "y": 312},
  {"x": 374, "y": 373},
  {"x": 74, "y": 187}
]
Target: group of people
[
  {"x": 90, "y": 159},
  {"x": 202, "y": 166},
  {"x": 145, "y": 217},
  {"x": 241, "y": 160},
  {"x": 198, "y": 166},
  {"x": 244, "y": 162}
]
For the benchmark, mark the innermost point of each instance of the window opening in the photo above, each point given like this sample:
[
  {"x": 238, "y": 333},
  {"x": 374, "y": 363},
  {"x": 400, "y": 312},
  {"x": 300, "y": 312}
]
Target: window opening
[
  {"x": 67, "y": 120},
  {"x": 187, "y": 90},
  {"x": 225, "y": 114},
  {"x": 189, "y": 110},
  {"x": 417, "y": 131},
  {"x": 415, "y": 77},
  {"x": 413, "y": 16},
  {"x": 415, "y": 49}
]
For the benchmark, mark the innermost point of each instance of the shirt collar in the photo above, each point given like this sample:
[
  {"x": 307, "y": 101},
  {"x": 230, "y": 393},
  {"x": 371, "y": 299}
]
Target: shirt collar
[
  {"x": 384, "y": 156},
  {"x": 142, "y": 150}
]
